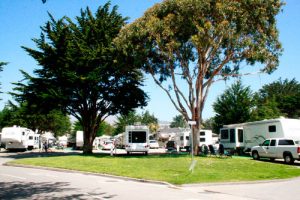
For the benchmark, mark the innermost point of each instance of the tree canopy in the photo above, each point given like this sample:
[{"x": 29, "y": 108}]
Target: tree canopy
[
  {"x": 200, "y": 42},
  {"x": 282, "y": 96},
  {"x": 55, "y": 121},
  {"x": 132, "y": 118},
  {"x": 81, "y": 72},
  {"x": 234, "y": 105},
  {"x": 178, "y": 121}
]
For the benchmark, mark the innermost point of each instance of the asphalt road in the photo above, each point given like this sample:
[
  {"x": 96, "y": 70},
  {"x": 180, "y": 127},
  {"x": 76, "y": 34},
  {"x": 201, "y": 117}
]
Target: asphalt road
[{"x": 31, "y": 183}]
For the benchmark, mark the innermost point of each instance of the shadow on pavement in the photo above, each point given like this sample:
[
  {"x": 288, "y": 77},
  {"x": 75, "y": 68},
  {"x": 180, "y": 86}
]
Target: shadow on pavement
[
  {"x": 18, "y": 155},
  {"x": 45, "y": 190}
]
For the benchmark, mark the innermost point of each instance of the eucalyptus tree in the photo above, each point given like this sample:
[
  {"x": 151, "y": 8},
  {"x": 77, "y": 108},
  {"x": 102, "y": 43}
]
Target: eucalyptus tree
[
  {"x": 187, "y": 45},
  {"x": 81, "y": 72}
]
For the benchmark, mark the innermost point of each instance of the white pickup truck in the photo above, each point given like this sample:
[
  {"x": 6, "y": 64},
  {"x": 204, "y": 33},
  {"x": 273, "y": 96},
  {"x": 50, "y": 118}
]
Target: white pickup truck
[{"x": 277, "y": 148}]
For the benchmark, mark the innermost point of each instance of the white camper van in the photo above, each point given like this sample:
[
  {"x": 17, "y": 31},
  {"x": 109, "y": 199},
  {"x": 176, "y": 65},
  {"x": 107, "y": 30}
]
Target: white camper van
[
  {"x": 20, "y": 138},
  {"x": 205, "y": 138},
  {"x": 246, "y": 135},
  {"x": 184, "y": 140},
  {"x": 79, "y": 139},
  {"x": 136, "y": 139},
  {"x": 232, "y": 136}
]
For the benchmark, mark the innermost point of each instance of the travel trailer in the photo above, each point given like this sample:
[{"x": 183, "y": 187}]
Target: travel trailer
[
  {"x": 205, "y": 138},
  {"x": 232, "y": 136},
  {"x": 20, "y": 138},
  {"x": 246, "y": 135},
  {"x": 136, "y": 139},
  {"x": 79, "y": 139}
]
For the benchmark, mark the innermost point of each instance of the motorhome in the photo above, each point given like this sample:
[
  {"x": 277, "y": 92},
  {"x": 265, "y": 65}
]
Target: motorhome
[
  {"x": 232, "y": 136},
  {"x": 20, "y": 138},
  {"x": 79, "y": 139},
  {"x": 205, "y": 138},
  {"x": 136, "y": 139},
  {"x": 246, "y": 135}
]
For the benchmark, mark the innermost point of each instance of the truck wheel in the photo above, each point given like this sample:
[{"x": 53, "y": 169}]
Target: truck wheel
[
  {"x": 288, "y": 159},
  {"x": 255, "y": 155}
]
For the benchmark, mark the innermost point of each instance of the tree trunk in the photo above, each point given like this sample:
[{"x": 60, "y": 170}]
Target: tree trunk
[
  {"x": 195, "y": 132},
  {"x": 89, "y": 135}
]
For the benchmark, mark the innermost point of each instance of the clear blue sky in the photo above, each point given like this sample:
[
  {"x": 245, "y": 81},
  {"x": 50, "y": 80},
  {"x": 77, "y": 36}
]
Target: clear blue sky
[{"x": 20, "y": 21}]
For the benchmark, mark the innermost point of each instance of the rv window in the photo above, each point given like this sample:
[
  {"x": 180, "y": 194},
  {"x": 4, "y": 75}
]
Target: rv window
[
  {"x": 286, "y": 142},
  {"x": 240, "y": 135},
  {"x": 137, "y": 137},
  {"x": 187, "y": 137},
  {"x": 266, "y": 143},
  {"x": 273, "y": 143},
  {"x": 224, "y": 134},
  {"x": 202, "y": 139},
  {"x": 202, "y": 133},
  {"x": 181, "y": 137},
  {"x": 272, "y": 128},
  {"x": 232, "y": 135},
  {"x": 30, "y": 138},
  {"x": 23, "y": 133}
]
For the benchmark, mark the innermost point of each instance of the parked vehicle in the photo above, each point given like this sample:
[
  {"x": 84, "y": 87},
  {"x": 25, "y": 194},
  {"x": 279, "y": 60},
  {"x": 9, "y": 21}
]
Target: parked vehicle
[
  {"x": 19, "y": 138},
  {"x": 171, "y": 146},
  {"x": 153, "y": 144},
  {"x": 136, "y": 139},
  {"x": 107, "y": 145},
  {"x": 246, "y": 135},
  {"x": 79, "y": 139},
  {"x": 277, "y": 148},
  {"x": 205, "y": 138},
  {"x": 232, "y": 136}
]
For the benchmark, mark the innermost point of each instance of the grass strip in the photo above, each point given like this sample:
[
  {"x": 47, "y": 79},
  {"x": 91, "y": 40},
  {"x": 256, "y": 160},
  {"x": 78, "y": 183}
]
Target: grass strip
[{"x": 170, "y": 168}]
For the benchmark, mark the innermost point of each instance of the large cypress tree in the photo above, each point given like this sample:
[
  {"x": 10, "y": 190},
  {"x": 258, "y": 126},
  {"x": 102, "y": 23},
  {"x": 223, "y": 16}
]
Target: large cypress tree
[{"x": 81, "y": 72}]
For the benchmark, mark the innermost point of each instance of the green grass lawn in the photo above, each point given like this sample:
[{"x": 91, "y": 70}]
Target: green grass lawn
[{"x": 171, "y": 168}]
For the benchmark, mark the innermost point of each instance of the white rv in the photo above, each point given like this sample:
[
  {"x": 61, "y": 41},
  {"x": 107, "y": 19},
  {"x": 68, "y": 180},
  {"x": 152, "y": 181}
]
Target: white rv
[
  {"x": 136, "y": 139},
  {"x": 205, "y": 138},
  {"x": 247, "y": 135},
  {"x": 184, "y": 139},
  {"x": 256, "y": 132},
  {"x": 20, "y": 138},
  {"x": 232, "y": 136},
  {"x": 79, "y": 139}
]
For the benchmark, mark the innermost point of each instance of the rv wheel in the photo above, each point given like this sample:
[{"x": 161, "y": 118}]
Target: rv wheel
[{"x": 255, "y": 155}]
